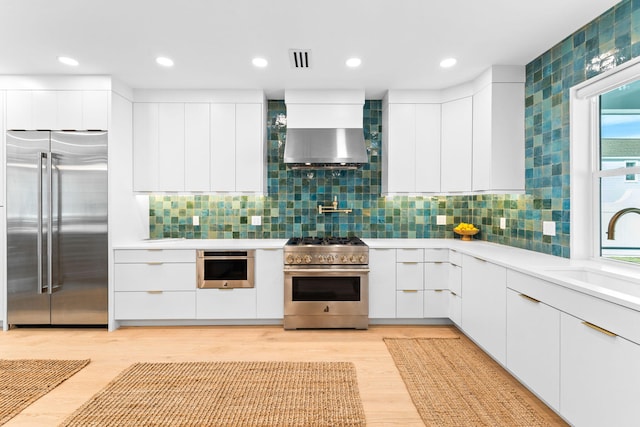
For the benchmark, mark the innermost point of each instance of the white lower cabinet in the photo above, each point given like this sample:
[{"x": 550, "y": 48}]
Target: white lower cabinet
[
  {"x": 155, "y": 305},
  {"x": 410, "y": 304},
  {"x": 533, "y": 345},
  {"x": 484, "y": 305},
  {"x": 599, "y": 376},
  {"x": 455, "y": 308},
  {"x": 382, "y": 283},
  {"x": 436, "y": 303},
  {"x": 154, "y": 284},
  {"x": 269, "y": 284},
  {"x": 239, "y": 303}
]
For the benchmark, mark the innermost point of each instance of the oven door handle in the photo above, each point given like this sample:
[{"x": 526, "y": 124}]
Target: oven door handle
[{"x": 328, "y": 270}]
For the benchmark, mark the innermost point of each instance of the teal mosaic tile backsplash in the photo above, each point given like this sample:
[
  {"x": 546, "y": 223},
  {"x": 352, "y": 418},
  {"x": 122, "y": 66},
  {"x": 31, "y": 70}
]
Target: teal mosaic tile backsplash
[{"x": 290, "y": 207}]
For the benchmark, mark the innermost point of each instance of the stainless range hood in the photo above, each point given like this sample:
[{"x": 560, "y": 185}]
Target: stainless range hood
[
  {"x": 318, "y": 148},
  {"x": 324, "y": 129}
]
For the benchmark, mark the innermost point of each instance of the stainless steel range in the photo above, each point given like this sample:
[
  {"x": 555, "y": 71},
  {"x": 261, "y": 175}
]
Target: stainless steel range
[{"x": 326, "y": 283}]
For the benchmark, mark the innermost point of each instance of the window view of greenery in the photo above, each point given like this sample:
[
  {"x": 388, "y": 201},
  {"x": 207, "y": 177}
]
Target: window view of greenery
[{"x": 620, "y": 173}]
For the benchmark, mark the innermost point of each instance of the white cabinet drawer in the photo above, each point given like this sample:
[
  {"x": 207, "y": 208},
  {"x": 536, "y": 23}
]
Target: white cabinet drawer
[
  {"x": 226, "y": 303},
  {"x": 410, "y": 276},
  {"x": 410, "y": 255},
  {"x": 533, "y": 345},
  {"x": 455, "y": 257},
  {"x": 436, "y": 303},
  {"x": 155, "y": 305},
  {"x": 410, "y": 304},
  {"x": 436, "y": 255},
  {"x": 155, "y": 277},
  {"x": 455, "y": 279},
  {"x": 455, "y": 308},
  {"x": 155, "y": 255},
  {"x": 436, "y": 275}
]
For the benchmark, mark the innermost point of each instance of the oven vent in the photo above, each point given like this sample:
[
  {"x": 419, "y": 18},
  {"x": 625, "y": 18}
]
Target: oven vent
[{"x": 300, "y": 58}]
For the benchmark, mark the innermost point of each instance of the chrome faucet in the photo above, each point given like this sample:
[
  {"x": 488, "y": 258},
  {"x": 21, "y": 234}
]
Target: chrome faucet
[{"x": 614, "y": 219}]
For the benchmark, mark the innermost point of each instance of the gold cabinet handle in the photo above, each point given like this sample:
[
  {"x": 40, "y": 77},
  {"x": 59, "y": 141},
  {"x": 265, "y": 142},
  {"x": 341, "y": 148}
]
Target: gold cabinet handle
[
  {"x": 155, "y": 263},
  {"x": 154, "y": 292},
  {"x": 453, "y": 293},
  {"x": 527, "y": 297},
  {"x": 599, "y": 329},
  {"x": 410, "y": 290}
]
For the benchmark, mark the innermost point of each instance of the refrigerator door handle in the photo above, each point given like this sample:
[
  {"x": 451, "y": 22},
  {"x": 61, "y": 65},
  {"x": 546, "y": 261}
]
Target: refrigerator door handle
[
  {"x": 50, "y": 224},
  {"x": 41, "y": 286},
  {"x": 55, "y": 274}
]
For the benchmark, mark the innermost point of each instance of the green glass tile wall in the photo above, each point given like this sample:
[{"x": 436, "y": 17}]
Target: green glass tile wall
[{"x": 290, "y": 207}]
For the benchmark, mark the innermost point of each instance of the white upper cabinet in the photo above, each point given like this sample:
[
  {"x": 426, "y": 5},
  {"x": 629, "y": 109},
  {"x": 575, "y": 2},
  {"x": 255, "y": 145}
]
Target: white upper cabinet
[
  {"x": 498, "y": 132},
  {"x": 465, "y": 139},
  {"x": 58, "y": 109},
  {"x": 456, "y": 145},
  {"x": 198, "y": 146},
  {"x": 411, "y": 148},
  {"x": 145, "y": 147}
]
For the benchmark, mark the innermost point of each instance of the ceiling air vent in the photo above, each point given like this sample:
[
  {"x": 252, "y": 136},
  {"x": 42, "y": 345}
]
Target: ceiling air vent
[{"x": 300, "y": 58}]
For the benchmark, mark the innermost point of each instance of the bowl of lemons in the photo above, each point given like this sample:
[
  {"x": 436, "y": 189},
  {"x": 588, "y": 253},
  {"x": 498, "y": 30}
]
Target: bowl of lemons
[{"x": 466, "y": 231}]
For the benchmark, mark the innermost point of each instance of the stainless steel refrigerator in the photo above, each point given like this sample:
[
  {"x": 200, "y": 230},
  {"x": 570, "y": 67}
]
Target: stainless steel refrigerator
[{"x": 57, "y": 250}]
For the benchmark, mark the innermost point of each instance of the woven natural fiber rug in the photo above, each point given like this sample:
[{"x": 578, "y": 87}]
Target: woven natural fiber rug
[
  {"x": 227, "y": 394},
  {"x": 24, "y": 381},
  {"x": 453, "y": 383}
]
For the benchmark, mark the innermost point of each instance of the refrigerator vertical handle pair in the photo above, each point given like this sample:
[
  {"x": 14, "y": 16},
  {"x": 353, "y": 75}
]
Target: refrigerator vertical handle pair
[{"x": 48, "y": 286}]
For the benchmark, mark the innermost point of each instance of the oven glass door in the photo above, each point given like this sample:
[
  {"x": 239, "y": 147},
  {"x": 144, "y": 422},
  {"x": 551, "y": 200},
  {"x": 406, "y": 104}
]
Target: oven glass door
[
  {"x": 225, "y": 269},
  {"x": 333, "y": 288}
]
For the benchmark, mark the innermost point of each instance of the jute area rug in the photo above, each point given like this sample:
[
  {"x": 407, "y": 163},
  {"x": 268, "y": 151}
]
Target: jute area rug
[
  {"x": 453, "y": 383},
  {"x": 227, "y": 394},
  {"x": 24, "y": 381}
]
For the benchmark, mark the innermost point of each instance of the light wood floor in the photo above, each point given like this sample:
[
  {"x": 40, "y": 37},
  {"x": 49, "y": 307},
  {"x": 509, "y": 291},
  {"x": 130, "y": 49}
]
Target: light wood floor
[{"x": 384, "y": 396}]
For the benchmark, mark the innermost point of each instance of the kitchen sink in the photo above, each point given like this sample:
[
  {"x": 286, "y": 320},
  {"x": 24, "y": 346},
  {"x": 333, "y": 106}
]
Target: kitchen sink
[{"x": 604, "y": 279}]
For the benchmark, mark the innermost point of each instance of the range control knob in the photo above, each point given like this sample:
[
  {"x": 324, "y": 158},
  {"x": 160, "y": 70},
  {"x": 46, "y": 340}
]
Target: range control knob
[
  {"x": 320, "y": 259},
  {"x": 344, "y": 259},
  {"x": 330, "y": 259},
  {"x": 363, "y": 259},
  {"x": 353, "y": 259},
  {"x": 307, "y": 259},
  {"x": 298, "y": 259},
  {"x": 290, "y": 259}
]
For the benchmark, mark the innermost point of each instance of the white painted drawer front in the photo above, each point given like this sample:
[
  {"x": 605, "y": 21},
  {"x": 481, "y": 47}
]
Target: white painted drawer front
[
  {"x": 226, "y": 304},
  {"x": 436, "y": 275},
  {"x": 154, "y": 255},
  {"x": 436, "y": 255},
  {"x": 155, "y": 305},
  {"x": 455, "y": 257},
  {"x": 455, "y": 279},
  {"x": 410, "y": 255},
  {"x": 410, "y": 304},
  {"x": 455, "y": 308},
  {"x": 155, "y": 277},
  {"x": 436, "y": 303},
  {"x": 410, "y": 275}
]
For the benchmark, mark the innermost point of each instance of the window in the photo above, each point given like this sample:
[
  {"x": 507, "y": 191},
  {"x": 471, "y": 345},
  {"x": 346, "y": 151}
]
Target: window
[{"x": 605, "y": 190}]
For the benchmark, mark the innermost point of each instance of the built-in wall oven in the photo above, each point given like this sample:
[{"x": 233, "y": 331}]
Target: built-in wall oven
[
  {"x": 225, "y": 269},
  {"x": 326, "y": 283}
]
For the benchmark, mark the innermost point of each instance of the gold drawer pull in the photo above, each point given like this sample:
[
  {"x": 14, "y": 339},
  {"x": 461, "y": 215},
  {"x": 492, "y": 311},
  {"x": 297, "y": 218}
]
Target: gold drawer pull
[
  {"x": 527, "y": 297},
  {"x": 410, "y": 290},
  {"x": 453, "y": 293},
  {"x": 154, "y": 292},
  {"x": 438, "y": 290},
  {"x": 599, "y": 329},
  {"x": 155, "y": 263}
]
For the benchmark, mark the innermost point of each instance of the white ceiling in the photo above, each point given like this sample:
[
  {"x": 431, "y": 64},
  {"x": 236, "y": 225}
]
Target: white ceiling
[{"x": 212, "y": 42}]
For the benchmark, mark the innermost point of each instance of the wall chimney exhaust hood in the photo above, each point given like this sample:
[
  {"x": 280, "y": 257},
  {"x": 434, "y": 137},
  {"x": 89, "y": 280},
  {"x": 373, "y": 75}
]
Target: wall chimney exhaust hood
[{"x": 324, "y": 129}]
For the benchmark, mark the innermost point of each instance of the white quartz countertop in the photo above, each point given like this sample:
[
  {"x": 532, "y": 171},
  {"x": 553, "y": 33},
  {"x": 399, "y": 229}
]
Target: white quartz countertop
[{"x": 623, "y": 288}]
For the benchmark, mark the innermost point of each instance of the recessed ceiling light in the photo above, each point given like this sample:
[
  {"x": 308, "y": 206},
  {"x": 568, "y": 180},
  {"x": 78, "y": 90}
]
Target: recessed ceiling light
[
  {"x": 448, "y": 62},
  {"x": 164, "y": 61},
  {"x": 68, "y": 61},
  {"x": 259, "y": 62},
  {"x": 353, "y": 62}
]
